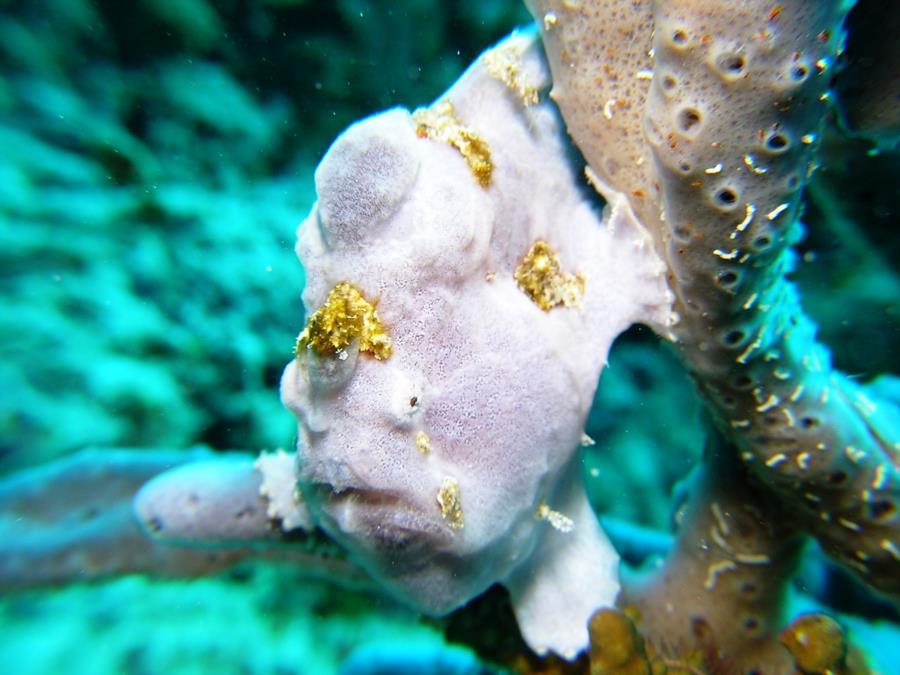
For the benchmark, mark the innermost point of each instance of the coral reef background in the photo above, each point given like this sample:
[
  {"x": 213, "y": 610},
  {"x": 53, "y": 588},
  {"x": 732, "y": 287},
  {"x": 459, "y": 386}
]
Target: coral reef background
[
  {"x": 157, "y": 157},
  {"x": 156, "y": 162}
]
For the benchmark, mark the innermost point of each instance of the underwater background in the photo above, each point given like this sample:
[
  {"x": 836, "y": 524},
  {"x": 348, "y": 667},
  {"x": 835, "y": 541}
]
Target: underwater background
[{"x": 156, "y": 158}]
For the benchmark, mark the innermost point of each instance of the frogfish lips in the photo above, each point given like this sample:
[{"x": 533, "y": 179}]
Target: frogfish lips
[{"x": 381, "y": 523}]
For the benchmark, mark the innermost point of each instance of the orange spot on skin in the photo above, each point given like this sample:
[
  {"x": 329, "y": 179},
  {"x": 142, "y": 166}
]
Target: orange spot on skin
[{"x": 776, "y": 10}]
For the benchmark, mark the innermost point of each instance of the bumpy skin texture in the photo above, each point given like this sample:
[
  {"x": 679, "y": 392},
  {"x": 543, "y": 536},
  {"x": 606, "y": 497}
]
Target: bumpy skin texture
[{"x": 431, "y": 465}]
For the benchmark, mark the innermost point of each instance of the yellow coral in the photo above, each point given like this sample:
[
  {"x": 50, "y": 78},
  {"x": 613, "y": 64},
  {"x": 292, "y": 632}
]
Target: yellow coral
[
  {"x": 817, "y": 644},
  {"x": 345, "y": 317},
  {"x": 616, "y": 646},
  {"x": 441, "y": 124},
  {"x": 557, "y": 520},
  {"x": 450, "y": 502},
  {"x": 505, "y": 64},
  {"x": 423, "y": 443},
  {"x": 541, "y": 277}
]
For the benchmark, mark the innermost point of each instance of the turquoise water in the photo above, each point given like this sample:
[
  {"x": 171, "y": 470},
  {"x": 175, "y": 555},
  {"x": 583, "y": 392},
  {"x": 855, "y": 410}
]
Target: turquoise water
[{"x": 156, "y": 159}]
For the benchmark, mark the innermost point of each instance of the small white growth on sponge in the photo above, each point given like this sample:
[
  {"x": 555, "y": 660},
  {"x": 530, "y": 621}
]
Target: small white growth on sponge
[{"x": 279, "y": 487}]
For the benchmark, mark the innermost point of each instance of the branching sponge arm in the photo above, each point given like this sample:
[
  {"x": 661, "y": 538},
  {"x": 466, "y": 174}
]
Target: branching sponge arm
[
  {"x": 223, "y": 501},
  {"x": 725, "y": 581},
  {"x": 733, "y": 117},
  {"x": 731, "y": 108}
]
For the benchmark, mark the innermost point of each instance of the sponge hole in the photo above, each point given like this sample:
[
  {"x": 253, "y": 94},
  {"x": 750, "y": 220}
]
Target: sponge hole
[
  {"x": 731, "y": 64},
  {"x": 726, "y": 198},
  {"x": 777, "y": 141},
  {"x": 882, "y": 511},
  {"x": 798, "y": 73},
  {"x": 837, "y": 477},
  {"x": 749, "y": 590},
  {"x": 733, "y": 338},
  {"x": 742, "y": 381},
  {"x": 679, "y": 37},
  {"x": 762, "y": 242},
  {"x": 753, "y": 626},
  {"x": 727, "y": 278},
  {"x": 682, "y": 232},
  {"x": 809, "y": 422},
  {"x": 689, "y": 121}
]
